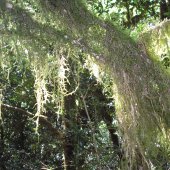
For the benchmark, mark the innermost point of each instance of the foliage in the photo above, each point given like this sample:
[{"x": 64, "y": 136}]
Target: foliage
[{"x": 130, "y": 12}]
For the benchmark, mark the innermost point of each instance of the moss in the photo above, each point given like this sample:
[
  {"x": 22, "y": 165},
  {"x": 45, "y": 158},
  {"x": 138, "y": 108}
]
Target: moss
[
  {"x": 157, "y": 44},
  {"x": 136, "y": 78}
]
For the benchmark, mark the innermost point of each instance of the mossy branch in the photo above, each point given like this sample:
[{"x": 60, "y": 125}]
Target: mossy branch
[{"x": 43, "y": 121}]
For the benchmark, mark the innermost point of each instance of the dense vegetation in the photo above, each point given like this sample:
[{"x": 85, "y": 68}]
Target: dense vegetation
[{"x": 77, "y": 89}]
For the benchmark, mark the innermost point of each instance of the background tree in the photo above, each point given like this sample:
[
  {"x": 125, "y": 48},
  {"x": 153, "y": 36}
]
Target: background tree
[{"x": 131, "y": 12}]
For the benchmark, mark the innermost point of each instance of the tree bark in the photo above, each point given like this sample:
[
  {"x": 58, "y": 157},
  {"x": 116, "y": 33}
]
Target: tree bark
[{"x": 69, "y": 139}]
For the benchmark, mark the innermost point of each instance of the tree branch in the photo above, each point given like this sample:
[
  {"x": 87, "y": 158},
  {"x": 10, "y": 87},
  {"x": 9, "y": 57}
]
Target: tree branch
[{"x": 43, "y": 121}]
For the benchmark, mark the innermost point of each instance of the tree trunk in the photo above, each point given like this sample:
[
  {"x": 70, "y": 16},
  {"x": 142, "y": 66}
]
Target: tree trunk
[
  {"x": 163, "y": 9},
  {"x": 69, "y": 144},
  {"x": 2, "y": 161},
  {"x": 142, "y": 89}
]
